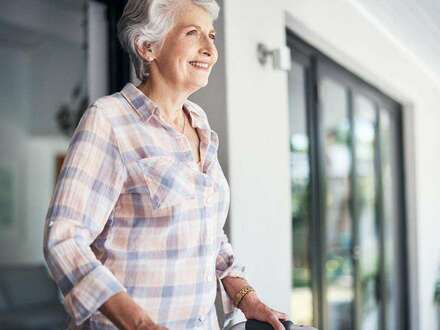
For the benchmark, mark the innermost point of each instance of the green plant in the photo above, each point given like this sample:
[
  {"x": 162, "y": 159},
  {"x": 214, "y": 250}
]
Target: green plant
[{"x": 437, "y": 292}]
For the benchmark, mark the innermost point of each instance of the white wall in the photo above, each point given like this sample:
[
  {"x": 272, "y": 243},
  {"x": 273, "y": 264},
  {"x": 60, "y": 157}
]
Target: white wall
[
  {"x": 56, "y": 67},
  {"x": 258, "y": 149},
  {"x": 14, "y": 106},
  {"x": 258, "y": 133},
  {"x": 30, "y": 159},
  {"x": 40, "y": 182}
]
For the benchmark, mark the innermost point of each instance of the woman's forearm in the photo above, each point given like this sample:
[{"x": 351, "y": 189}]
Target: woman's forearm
[
  {"x": 233, "y": 285},
  {"x": 123, "y": 311}
]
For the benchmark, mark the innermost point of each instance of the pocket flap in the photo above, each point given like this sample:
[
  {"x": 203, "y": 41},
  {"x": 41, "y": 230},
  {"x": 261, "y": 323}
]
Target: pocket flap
[{"x": 167, "y": 181}]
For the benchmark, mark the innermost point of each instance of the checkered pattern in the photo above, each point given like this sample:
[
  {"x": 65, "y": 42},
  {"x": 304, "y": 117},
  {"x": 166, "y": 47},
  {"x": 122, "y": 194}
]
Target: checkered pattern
[{"x": 132, "y": 211}]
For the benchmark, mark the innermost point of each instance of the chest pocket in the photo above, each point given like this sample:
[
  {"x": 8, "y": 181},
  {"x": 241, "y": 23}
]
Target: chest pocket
[{"x": 167, "y": 181}]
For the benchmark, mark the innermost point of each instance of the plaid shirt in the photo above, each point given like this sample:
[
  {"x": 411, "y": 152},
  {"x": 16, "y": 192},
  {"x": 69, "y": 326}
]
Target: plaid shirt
[{"x": 132, "y": 211}]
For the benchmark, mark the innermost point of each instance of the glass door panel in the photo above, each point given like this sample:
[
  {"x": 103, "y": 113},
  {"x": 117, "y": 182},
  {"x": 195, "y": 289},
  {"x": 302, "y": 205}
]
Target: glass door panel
[
  {"x": 348, "y": 198},
  {"x": 301, "y": 299},
  {"x": 339, "y": 276},
  {"x": 368, "y": 251}
]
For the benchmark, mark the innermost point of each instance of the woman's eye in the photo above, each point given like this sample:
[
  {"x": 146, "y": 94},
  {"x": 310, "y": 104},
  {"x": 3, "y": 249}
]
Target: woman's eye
[{"x": 212, "y": 36}]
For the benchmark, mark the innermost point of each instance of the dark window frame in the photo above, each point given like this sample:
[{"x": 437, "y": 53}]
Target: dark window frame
[{"x": 316, "y": 63}]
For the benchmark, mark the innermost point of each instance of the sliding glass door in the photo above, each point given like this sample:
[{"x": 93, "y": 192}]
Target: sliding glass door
[
  {"x": 348, "y": 220},
  {"x": 336, "y": 190}
]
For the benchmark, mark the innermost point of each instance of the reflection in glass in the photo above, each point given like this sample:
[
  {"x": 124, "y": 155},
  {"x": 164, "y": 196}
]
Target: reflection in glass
[
  {"x": 301, "y": 300},
  {"x": 338, "y": 266},
  {"x": 360, "y": 224},
  {"x": 390, "y": 223},
  {"x": 364, "y": 145}
]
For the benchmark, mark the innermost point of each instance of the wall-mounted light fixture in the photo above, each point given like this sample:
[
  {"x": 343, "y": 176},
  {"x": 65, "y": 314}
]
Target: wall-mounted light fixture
[{"x": 280, "y": 56}]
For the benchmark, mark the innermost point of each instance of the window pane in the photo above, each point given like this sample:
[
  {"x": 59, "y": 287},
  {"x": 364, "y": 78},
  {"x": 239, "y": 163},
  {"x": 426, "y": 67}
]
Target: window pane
[
  {"x": 369, "y": 253},
  {"x": 301, "y": 303},
  {"x": 338, "y": 266}
]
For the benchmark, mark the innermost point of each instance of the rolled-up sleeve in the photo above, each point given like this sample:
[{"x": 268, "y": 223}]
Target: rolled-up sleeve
[
  {"x": 227, "y": 265},
  {"x": 87, "y": 189}
]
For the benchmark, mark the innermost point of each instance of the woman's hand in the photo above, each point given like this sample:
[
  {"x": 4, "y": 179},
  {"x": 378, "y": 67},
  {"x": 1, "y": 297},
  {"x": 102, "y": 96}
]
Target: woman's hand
[
  {"x": 126, "y": 314},
  {"x": 148, "y": 324},
  {"x": 253, "y": 308}
]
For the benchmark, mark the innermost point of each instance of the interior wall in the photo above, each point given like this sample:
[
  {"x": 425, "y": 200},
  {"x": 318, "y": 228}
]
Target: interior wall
[
  {"x": 56, "y": 67},
  {"x": 29, "y": 160},
  {"x": 14, "y": 105},
  {"x": 41, "y": 62}
]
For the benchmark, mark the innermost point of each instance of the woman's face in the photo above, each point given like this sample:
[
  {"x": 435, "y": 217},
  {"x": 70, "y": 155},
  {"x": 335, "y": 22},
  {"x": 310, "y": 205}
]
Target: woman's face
[{"x": 190, "y": 39}]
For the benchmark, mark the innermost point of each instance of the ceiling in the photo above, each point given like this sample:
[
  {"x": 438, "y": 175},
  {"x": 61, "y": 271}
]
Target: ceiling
[{"x": 416, "y": 24}]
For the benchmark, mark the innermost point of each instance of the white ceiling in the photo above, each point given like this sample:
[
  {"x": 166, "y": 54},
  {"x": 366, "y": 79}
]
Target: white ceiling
[{"x": 415, "y": 24}]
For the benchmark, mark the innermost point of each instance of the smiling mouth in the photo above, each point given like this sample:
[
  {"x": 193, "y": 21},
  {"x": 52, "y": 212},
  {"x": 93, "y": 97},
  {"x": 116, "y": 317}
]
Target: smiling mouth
[{"x": 200, "y": 66}]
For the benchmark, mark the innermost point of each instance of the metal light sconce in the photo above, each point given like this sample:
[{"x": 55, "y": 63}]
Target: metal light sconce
[{"x": 280, "y": 56}]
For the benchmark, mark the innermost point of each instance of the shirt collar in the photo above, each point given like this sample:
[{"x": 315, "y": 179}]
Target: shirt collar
[{"x": 146, "y": 107}]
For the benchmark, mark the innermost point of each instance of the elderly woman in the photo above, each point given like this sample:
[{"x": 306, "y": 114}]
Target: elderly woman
[{"x": 134, "y": 233}]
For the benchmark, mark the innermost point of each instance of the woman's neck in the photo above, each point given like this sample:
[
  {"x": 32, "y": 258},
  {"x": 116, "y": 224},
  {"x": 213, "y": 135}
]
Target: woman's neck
[{"x": 166, "y": 98}]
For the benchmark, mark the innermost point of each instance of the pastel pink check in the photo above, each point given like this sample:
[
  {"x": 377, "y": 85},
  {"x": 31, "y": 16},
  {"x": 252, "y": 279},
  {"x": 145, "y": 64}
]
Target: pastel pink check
[{"x": 132, "y": 211}]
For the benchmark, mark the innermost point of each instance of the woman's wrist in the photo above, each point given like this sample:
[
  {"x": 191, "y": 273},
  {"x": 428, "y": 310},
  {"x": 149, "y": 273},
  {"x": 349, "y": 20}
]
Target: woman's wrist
[
  {"x": 143, "y": 323},
  {"x": 241, "y": 294},
  {"x": 123, "y": 311},
  {"x": 248, "y": 300}
]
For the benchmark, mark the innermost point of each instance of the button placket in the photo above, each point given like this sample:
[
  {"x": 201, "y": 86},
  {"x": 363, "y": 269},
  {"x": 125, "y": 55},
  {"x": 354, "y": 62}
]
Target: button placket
[
  {"x": 210, "y": 194},
  {"x": 209, "y": 274}
]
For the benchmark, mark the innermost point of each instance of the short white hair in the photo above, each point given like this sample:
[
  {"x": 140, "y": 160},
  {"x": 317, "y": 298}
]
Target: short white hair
[{"x": 148, "y": 21}]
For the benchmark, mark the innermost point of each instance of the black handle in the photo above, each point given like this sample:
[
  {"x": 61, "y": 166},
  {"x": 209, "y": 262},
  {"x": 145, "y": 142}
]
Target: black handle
[{"x": 259, "y": 325}]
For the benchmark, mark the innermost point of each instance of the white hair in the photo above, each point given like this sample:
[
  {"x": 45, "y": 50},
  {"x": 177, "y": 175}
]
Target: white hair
[{"x": 148, "y": 21}]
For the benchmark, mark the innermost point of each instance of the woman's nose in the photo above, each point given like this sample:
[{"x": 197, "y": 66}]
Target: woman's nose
[
  {"x": 208, "y": 48},
  {"x": 207, "y": 53}
]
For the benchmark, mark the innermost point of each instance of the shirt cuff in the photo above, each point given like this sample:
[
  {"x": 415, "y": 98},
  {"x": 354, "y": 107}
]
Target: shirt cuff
[
  {"x": 227, "y": 302},
  {"x": 88, "y": 295}
]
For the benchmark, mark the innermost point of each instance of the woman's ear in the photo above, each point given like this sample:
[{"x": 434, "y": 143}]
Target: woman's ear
[{"x": 145, "y": 50}]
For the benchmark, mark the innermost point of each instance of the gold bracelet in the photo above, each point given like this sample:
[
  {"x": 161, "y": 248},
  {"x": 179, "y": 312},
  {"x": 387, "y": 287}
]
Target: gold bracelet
[{"x": 240, "y": 294}]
